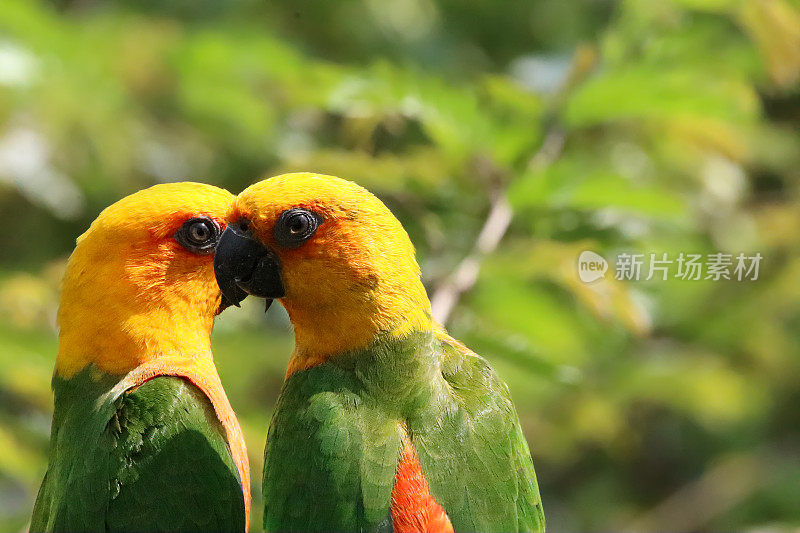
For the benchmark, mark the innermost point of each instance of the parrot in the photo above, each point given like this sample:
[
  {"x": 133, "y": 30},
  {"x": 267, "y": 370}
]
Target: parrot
[
  {"x": 384, "y": 422},
  {"x": 143, "y": 437}
]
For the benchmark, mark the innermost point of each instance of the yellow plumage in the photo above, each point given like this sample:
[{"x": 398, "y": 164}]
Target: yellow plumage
[
  {"x": 125, "y": 299},
  {"x": 340, "y": 293}
]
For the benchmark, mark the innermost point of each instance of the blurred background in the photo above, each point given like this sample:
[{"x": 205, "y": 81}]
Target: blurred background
[{"x": 508, "y": 137}]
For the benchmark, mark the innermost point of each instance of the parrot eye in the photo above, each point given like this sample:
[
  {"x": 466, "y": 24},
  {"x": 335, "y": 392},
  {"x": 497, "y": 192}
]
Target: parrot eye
[
  {"x": 296, "y": 226},
  {"x": 198, "y": 235}
]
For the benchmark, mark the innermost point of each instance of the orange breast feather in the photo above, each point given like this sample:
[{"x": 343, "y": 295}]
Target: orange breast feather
[{"x": 413, "y": 507}]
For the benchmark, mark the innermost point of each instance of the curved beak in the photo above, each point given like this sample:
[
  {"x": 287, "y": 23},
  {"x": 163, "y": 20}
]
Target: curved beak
[{"x": 243, "y": 265}]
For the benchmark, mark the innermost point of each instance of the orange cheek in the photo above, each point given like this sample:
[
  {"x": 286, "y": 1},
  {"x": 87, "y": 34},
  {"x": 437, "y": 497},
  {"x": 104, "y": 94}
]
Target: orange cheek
[
  {"x": 305, "y": 278},
  {"x": 170, "y": 266}
]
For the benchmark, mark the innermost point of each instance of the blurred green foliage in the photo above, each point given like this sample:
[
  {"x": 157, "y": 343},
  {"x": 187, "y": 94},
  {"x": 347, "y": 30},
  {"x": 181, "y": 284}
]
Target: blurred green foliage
[{"x": 631, "y": 125}]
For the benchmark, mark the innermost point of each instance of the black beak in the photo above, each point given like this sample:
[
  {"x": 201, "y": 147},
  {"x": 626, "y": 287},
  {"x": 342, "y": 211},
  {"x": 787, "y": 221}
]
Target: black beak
[{"x": 242, "y": 266}]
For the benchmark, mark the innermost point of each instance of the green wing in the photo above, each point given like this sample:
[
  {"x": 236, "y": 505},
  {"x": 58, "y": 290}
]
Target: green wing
[
  {"x": 330, "y": 457},
  {"x": 473, "y": 453},
  {"x": 153, "y": 459},
  {"x": 336, "y": 436}
]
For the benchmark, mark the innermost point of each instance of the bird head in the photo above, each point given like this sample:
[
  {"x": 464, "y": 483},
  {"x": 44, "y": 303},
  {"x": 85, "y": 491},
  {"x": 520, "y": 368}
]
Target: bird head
[
  {"x": 140, "y": 282},
  {"x": 332, "y": 253}
]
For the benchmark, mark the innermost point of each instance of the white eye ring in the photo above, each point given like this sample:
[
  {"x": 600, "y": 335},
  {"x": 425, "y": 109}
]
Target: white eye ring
[
  {"x": 198, "y": 235},
  {"x": 295, "y": 227}
]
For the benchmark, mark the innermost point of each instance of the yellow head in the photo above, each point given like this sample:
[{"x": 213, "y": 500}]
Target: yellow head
[
  {"x": 140, "y": 283},
  {"x": 344, "y": 266}
]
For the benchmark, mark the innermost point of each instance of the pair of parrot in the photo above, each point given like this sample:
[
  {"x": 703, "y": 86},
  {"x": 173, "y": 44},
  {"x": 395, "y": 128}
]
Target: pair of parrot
[{"x": 384, "y": 423}]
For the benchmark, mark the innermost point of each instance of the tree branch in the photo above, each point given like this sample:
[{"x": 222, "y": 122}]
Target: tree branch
[
  {"x": 722, "y": 487},
  {"x": 446, "y": 296}
]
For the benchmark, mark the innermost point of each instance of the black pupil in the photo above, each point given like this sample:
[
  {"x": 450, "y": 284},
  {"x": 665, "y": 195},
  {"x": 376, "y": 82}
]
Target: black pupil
[
  {"x": 295, "y": 226},
  {"x": 199, "y": 232},
  {"x": 298, "y": 224}
]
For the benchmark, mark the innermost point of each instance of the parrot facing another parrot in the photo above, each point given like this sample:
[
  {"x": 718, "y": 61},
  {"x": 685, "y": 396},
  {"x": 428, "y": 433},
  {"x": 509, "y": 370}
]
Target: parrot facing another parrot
[
  {"x": 385, "y": 422},
  {"x": 143, "y": 437}
]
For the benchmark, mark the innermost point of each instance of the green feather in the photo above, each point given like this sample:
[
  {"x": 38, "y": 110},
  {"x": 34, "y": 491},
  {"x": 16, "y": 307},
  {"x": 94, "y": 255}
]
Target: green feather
[
  {"x": 336, "y": 436},
  {"x": 152, "y": 459}
]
